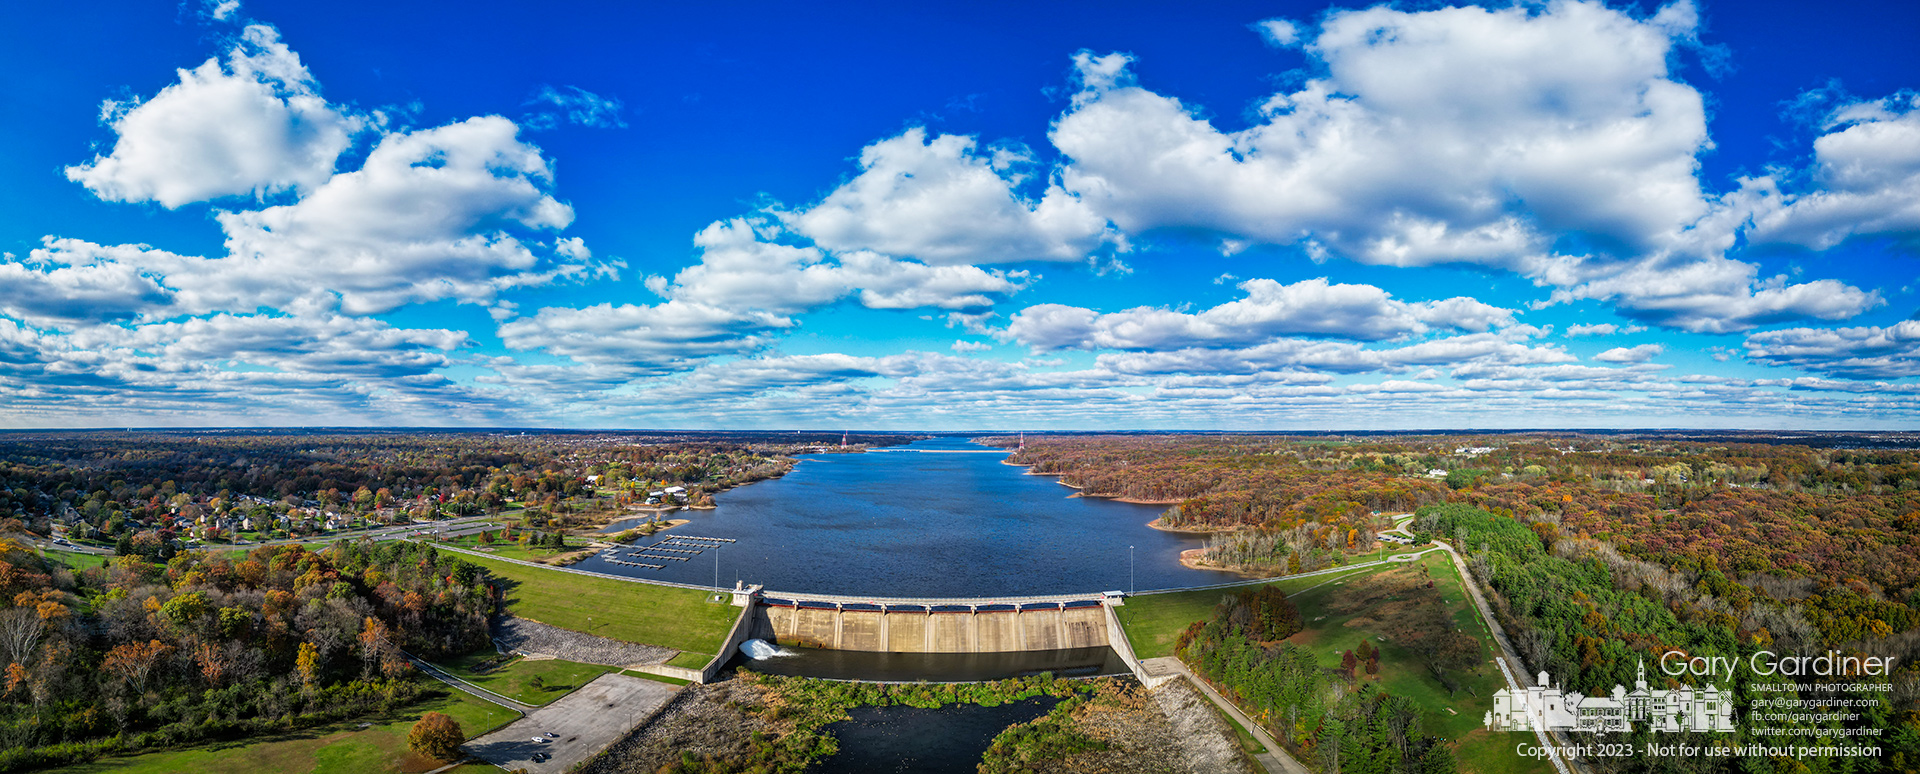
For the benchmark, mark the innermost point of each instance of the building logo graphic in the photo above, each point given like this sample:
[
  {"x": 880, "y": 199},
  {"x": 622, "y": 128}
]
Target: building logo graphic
[{"x": 1546, "y": 707}]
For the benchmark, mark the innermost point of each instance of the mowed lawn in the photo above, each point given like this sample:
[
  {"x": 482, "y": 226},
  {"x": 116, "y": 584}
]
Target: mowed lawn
[
  {"x": 1153, "y": 622},
  {"x": 666, "y": 616},
  {"x": 338, "y": 748},
  {"x": 516, "y": 679}
]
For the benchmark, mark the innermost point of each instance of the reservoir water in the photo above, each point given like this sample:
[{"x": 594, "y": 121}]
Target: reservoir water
[{"x": 937, "y": 518}]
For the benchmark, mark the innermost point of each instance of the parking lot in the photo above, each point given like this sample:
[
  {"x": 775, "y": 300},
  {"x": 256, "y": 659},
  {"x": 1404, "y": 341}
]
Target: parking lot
[{"x": 582, "y": 723}]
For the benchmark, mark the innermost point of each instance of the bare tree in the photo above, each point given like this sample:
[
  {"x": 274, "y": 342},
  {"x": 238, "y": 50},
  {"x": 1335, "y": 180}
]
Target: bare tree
[{"x": 20, "y": 631}]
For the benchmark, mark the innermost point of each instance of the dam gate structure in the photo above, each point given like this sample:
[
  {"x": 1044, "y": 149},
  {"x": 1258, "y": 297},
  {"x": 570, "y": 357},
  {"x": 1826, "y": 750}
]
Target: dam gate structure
[{"x": 903, "y": 625}]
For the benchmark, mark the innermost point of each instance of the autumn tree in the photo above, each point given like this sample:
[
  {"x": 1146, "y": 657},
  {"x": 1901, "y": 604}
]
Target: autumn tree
[
  {"x": 133, "y": 662},
  {"x": 436, "y": 736}
]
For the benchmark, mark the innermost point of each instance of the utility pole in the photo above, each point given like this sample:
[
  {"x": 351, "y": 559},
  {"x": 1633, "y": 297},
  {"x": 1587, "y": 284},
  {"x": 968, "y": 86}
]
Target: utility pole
[
  {"x": 1130, "y": 583},
  {"x": 716, "y": 566}
]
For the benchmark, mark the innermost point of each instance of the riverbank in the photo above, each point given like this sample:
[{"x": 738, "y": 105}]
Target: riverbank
[{"x": 1104, "y": 725}]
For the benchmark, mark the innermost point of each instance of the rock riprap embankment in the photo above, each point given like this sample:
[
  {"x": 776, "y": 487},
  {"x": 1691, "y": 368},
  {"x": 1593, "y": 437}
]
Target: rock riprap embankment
[{"x": 537, "y": 639}]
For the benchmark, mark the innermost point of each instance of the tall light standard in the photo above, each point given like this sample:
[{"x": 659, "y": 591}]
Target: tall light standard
[
  {"x": 716, "y": 566},
  {"x": 1130, "y": 584}
]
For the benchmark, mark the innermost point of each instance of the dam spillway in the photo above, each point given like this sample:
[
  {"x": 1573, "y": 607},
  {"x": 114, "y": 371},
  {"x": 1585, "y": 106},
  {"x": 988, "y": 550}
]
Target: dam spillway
[{"x": 931, "y": 625}]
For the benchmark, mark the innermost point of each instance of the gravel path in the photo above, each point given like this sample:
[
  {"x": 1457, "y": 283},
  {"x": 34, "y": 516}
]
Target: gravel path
[{"x": 535, "y": 638}]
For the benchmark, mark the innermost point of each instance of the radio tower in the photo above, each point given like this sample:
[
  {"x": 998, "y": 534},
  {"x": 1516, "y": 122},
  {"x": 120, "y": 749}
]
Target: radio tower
[
  {"x": 843, "y": 439},
  {"x": 1023, "y": 440}
]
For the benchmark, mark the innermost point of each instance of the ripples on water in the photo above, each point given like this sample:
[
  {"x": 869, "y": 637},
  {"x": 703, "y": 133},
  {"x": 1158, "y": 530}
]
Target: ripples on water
[{"x": 923, "y": 522}]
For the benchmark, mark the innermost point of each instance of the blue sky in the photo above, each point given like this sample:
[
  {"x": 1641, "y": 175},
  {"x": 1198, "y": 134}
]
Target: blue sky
[{"x": 966, "y": 215}]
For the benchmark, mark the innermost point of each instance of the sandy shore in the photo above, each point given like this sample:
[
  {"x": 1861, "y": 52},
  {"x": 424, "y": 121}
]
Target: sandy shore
[
  {"x": 1190, "y": 559},
  {"x": 1180, "y": 531}
]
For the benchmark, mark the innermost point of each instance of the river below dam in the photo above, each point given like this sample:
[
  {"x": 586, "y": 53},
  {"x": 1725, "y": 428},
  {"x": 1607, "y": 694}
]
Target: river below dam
[
  {"x": 942, "y": 517},
  {"x": 916, "y": 740}
]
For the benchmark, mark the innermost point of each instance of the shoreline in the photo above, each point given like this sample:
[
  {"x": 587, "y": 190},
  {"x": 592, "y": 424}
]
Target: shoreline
[
  {"x": 1155, "y": 524},
  {"x": 1190, "y": 559},
  {"x": 1081, "y": 491}
]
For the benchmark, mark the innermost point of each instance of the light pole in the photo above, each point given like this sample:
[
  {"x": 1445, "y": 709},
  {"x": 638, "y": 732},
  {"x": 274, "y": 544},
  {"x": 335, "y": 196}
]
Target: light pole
[
  {"x": 1130, "y": 584},
  {"x": 716, "y": 567}
]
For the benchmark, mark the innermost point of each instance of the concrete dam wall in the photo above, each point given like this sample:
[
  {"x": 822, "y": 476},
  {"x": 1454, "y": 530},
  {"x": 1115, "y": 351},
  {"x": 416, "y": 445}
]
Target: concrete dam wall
[{"x": 925, "y": 631}]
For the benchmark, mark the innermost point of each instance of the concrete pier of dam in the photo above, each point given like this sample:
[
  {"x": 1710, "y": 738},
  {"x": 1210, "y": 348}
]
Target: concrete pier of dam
[
  {"x": 932, "y": 628},
  {"x": 911, "y": 625}
]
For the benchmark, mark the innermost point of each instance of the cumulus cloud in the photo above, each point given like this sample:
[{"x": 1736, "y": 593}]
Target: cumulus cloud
[
  {"x": 1867, "y": 168},
  {"x": 430, "y": 215},
  {"x": 944, "y": 202},
  {"x": 637, "y": 340},
  {"x": 1717, "y": 295},
  {"x": 1313, "y": 307},
  {"x": 745, "y": 287},
  {"x": 254, "y": 126},
  {"x": 87, "y": 293},
  {"x": 1278, "y": 32},
  {"x": 1471, "y": 130},
  {"x": 1868, "y": 352},
  {"x": 221, "y": 10},
  {"x": 1305, "y": 356},
  {"x": 573, "y": 105},
  {"x": 1637, "y": 354},
  {"x": 1551, "y": 141},
  {"x": 1600, "y": 329}
]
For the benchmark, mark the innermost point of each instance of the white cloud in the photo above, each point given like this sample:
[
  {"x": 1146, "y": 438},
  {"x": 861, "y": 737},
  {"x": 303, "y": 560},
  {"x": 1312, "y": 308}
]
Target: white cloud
[
  {"x": 745, "y": 287},
  {"x": 430, "y": 215},
  {"x": 639, "y": 340},
  {"x": 1312, "y": 307},
  {"x": 1869, "y": 177},
  {"x": 1637, "y": 354},
  {"x": 1278, "y": 32},
  {"x": 64, "y": 295},
  {"x": 222, "y": 10},
  {"x": 574, "y": 105},
  {"x": 256, "y": 126},
  {"x": 1471, "y": 131},
  {"x": 1551, "y": 141},
  {"x": 1717, "y": 295},
  {"x": 1868, "y": 352},
  {"x": 964, "y": 347},
  {"x": 944, "y": 203},
  {"x": 1601, "y": 329},
  {"x": 1300, "y": 355}
]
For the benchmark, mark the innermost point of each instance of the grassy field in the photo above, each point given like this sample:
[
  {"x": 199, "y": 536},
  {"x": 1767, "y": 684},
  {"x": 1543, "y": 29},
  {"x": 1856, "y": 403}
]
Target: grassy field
[
  {"x": 1154, "y": 621},
  {"x": 513, "y": 550},
  {"x": 340, "y": 748},
  {"x": 516, "y": 679},
  {"x": 670, "y": 617},
  {"x": 1390, "y": 607},
  {"x": 1394, "y": 611}
]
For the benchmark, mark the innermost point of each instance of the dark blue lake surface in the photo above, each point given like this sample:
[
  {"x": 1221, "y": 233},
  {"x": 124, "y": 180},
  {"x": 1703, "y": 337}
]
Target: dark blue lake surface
[{"x": 923, "y": 520}]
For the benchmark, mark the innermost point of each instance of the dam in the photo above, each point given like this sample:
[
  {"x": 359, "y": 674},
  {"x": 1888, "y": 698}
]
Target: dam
[{"x": 934, "y": 625}]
